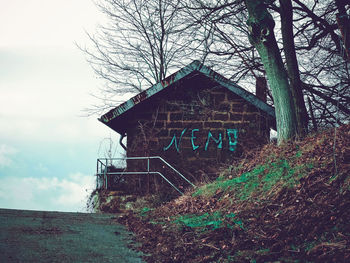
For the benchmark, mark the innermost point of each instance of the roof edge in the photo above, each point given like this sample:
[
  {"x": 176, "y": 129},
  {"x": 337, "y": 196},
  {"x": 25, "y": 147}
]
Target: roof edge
[
  {"x": 112, "y": 114},
  {"x": 248, "y": 96},
  {"x": 193, "y": 66}
]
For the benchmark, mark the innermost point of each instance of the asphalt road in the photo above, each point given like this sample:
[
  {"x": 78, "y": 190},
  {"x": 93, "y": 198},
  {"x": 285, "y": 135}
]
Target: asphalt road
[{"x": 41, "y": 236}]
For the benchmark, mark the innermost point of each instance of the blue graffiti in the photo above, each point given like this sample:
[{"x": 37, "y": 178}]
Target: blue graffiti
[
  {"x": 174, "y": 141},
  {"x": 194, "y": 147},
  {"x": 217, "y": 141},
  {"x": 232, "y": 144},
  {"x": 232, "y": 136}
]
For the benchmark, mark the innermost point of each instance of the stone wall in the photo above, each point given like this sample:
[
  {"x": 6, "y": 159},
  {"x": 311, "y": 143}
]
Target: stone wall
[{"x": 195, "y": 126}]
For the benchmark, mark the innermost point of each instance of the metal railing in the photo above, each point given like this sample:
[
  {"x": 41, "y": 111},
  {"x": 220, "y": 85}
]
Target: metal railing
[{"x": 102, "y": 171}]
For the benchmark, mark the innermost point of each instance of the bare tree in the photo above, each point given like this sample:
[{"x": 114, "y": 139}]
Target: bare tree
[
  {"x": 309, "y": 40},
  {"x": 322, "y": 62},
  {"x": 147, "y": 39},
  {"x": 141, "y": 43}
]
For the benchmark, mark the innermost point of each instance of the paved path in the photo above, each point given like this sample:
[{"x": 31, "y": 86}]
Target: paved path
[{"x": 40, "y": 236}]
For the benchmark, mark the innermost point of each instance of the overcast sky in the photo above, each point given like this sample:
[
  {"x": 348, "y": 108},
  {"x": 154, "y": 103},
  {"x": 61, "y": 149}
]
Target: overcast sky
[{"x": 48, "y": 150}]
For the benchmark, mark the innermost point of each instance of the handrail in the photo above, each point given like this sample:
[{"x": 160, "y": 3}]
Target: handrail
[
  {"x": 148, "y": 169},
  {"x": 104, "y": 175},
  {"x": 159, "y": 173},
  {"x": 98, "y": 178},
  {"x": 170, "y": 166}
]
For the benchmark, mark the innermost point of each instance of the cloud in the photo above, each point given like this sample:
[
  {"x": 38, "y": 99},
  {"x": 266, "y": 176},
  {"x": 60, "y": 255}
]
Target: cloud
[
  {"x": 5, "y": 155},
  {"x": 26, "y": 26},
  {"x": 42, "y": 168},
  {"x": 75, "y": 189},
  {"x": 52, "y": 194}
]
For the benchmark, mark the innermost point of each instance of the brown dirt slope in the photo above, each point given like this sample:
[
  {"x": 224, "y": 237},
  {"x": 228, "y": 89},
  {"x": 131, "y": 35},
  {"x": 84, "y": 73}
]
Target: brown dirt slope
[{"x": 281, "y": 204}]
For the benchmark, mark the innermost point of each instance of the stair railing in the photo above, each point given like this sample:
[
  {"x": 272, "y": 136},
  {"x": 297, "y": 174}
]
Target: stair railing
[{"x": 102, "y": 168}]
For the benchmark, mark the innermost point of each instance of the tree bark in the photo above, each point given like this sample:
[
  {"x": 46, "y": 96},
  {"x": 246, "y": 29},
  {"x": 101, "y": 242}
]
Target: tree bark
[
  {"x": 292, "y": 67},
  {"x": 261, "y": 25},
  {"x": 313, "y": 119},
  {"x": 343, "y": 21}
]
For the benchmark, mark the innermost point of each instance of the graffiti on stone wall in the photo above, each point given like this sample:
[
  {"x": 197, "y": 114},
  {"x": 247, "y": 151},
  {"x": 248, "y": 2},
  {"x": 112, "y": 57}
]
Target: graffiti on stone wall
[
  {"x": 174, "y": 141},
  {"x": 232, "y": 136}
]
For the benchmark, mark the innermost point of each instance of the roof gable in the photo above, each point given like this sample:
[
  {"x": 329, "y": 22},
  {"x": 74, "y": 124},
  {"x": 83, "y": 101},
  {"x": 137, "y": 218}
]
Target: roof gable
[{"x": 195, "y": 66}]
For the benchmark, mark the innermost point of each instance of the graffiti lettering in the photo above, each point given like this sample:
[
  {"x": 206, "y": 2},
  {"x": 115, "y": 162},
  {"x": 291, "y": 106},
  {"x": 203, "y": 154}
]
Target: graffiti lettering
[
  {"x": 232, "y": 136},
  {"x": 232, "y": 144},
  {"x": 217, "y": 141},
  {"x": 174, "y": 141},
  {"x": 194, "y": 147}
]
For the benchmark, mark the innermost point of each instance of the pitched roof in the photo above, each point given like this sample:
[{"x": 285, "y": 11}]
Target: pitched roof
[{"x": 195, "y": 66}]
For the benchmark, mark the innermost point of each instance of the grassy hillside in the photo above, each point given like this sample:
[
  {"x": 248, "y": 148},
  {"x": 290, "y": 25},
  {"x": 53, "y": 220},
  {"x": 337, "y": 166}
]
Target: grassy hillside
[{"x": 281, "y": 204}]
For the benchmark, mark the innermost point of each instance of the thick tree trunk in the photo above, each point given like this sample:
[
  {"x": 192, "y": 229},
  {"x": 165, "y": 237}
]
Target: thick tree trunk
[
  {"x": 313, "y": 119},
  {"x": 261, "y": 26},
  {"x": 343, "y": 21},
  {"x": 292, "y": 66}
]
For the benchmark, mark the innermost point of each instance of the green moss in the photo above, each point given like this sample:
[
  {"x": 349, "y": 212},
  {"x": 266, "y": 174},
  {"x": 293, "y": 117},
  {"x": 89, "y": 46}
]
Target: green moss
[
  {"x": 209, "y": 221},
  {"x": 261, "y": 180},
  {"x": 309, "y": 245},
  {"x": 144, "y": 211},
  {"x": 299, "y": 154}
]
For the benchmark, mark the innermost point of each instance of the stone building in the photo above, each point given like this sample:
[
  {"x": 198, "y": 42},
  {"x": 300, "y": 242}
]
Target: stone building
[{"x": 195, "y": 119}]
